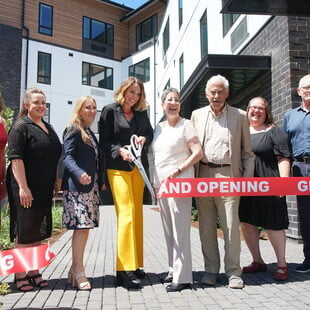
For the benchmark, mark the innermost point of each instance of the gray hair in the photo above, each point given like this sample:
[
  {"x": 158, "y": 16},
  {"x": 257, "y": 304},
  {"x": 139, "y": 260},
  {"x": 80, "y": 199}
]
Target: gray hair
[
  {"x": 217, "y": 78},
  {"x": 301, "y": 81},
  {"x": 167, "y": 91}
]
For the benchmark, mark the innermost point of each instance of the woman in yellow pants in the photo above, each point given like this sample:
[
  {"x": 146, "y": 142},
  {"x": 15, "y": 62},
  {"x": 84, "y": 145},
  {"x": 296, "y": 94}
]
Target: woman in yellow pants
[{"x": 118, "y": 122}]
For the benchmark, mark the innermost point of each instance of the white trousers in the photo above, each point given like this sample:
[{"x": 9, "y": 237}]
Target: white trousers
[{"x": 176, "y": 219}]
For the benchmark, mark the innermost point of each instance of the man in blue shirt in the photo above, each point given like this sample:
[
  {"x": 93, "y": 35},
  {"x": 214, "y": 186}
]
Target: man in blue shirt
[{"x": 297, "y": 127}]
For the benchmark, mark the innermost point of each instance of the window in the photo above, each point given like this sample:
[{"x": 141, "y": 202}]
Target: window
[
  {"x": 47, "y": 114},
  {"x": 239, "y": 34},
  {"x": 45, "y": 19},
  {"x": 98, "y": 31},
  {"x": 95, "y": 75},
  {"x": 204, "y": 34},
  {"x": 44, "y": 68},
  {"x": 146, "y": 30},
  {"x": 228, "y": 21},
  {"x": 141, "y": 70},
  {"x": 166, "y": 38},
  {"x": 181, "y": 70},
  {"x": 180, "y": 13}
]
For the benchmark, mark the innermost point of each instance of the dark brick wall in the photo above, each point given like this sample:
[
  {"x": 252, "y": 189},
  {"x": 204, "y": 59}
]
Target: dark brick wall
[
  {"x": 10, "y": 65},
  {"x": 286, "y": 40}
]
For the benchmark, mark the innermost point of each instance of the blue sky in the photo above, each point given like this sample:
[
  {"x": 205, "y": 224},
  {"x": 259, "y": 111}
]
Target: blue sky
[{"x": 131, "y": 3}]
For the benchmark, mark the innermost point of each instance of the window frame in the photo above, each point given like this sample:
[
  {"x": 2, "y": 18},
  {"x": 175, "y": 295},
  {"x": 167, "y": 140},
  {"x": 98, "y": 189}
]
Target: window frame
[
  {"x": 134, "y": 66},
  {"x": 139, "y": 33},
  {"x": 46, "y": 76},
  {"x": 89, "y": 36},
  {"x": 166, "y": 37},
  {"x": 180, "y": 7},
  {"x": 204, "y": 34},
  {"x": 89, "y": 76},
  {"x": 40, "y": 27},
  {"x": 228, "y": 21},
  {"x": 181, "y": 71}
]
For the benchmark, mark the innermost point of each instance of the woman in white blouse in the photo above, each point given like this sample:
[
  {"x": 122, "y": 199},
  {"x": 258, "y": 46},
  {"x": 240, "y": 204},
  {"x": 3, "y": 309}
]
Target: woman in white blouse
[{"x": 176, "y": 149}]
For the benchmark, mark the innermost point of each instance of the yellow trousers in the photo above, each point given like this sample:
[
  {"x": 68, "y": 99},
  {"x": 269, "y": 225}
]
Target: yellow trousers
[{"x": 127, "y": 189}]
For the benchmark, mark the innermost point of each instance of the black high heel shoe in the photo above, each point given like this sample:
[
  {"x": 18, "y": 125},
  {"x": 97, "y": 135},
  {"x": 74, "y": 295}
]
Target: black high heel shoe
[
  {"x": 140, "y": 273},
  {"x": 128, "y": 279}
]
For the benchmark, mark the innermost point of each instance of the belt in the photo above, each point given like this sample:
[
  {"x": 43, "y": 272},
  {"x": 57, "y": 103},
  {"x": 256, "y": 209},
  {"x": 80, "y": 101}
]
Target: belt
[
  {"x": 212, "y": 165},
  {"x": 305, "y": 159}
]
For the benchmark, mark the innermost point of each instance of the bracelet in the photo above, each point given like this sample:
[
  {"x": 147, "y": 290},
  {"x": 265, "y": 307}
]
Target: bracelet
[{"x": 179, "y": 170}]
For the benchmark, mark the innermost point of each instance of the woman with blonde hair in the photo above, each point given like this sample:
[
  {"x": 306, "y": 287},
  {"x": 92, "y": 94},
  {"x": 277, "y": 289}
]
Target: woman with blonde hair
[
  {"x": 82, "y": 179},
  {"x": 34, "y": 150},
  {"x": 118, "y": 122}
]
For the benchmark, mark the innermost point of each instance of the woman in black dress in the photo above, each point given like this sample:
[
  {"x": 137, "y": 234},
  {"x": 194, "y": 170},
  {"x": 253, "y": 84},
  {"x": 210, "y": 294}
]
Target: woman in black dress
[
  {"x": 34, "y": 150},
  {"x": 270, "y": 212}
]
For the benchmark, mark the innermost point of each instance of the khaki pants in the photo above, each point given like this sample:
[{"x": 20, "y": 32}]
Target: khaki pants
[
  {"x": 226, "y": 208},
  {"x": 127, "y": 189},
  {"x": 176, "y": 218}
]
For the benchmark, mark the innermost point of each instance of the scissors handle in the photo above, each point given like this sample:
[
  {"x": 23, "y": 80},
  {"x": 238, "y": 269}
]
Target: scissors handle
[{"x": 135, "y": 147}]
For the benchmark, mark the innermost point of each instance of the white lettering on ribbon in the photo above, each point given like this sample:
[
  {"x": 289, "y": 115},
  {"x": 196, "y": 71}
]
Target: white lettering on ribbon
[{"x": 7, "y": 262}]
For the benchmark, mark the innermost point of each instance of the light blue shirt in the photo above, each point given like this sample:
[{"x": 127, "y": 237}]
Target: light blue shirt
[{"x": 297, "y": 127}]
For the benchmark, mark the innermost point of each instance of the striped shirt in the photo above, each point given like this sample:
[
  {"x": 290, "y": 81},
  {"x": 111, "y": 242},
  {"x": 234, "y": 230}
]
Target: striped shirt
[{"x": 216, "y": 141}]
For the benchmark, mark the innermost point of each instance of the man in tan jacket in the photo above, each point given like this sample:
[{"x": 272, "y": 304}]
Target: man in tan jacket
[{"x": 224, "y": 134}]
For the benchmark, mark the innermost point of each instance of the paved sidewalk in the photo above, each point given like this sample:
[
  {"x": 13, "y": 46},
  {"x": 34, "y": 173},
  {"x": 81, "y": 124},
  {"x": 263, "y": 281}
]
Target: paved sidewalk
[{"x": 260, "y": 292}]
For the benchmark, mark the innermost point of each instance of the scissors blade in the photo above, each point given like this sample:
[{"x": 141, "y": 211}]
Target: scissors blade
[{"x": 145, "y": 177}]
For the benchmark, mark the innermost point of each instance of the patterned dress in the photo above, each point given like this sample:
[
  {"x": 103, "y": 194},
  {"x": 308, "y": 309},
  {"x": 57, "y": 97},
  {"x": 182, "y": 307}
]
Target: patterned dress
[{"x": 81, "y": 210}]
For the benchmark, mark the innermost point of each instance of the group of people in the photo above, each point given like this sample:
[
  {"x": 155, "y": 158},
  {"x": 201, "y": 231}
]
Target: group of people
[{"x": 219, "y": 141}]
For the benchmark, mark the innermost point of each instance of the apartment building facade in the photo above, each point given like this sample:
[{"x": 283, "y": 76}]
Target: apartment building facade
[{"x": 74, "y": 47}]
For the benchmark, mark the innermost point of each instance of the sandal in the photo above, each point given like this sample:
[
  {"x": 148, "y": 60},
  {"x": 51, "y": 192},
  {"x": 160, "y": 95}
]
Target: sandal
[
  {"x": 80, "y": 281},
  {"x": 41, "y": 284},
  {"x": 20, "y": 288},
  {"x": 281, "y": 274}
]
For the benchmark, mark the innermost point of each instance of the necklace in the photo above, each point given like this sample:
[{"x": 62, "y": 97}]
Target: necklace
[{"x": 127, "y": 113}]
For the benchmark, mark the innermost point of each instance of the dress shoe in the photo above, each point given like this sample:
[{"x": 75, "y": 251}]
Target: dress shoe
[
  {"x": 209, "y": 278},
  {"x": 281, "y": 274},
  {"x": 128, "y": 279},
  {"x": 140, "y": 273},
  {"x": 304, "y": 267},
  {"x": 235, "y": 282},
  {"x": 173, "y": 287},
  {"x": 168, "y": 278},
  {"x": 255, "y": 267}
]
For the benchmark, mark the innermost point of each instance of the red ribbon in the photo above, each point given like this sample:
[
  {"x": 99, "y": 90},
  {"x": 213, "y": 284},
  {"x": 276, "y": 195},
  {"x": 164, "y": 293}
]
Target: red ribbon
[
  {"x": 200, "y": 187},
  {"x": 24, "y": 259}
]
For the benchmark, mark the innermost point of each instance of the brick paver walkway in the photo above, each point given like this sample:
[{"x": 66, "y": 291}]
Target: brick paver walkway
[{"x": 260, "y": 292}]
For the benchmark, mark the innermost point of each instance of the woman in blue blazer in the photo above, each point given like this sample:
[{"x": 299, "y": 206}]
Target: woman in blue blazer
[{"x": 82, "y": 180}]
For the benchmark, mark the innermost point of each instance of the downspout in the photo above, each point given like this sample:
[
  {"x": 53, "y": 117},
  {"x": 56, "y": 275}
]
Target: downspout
[{"x": 27, "y": 43}]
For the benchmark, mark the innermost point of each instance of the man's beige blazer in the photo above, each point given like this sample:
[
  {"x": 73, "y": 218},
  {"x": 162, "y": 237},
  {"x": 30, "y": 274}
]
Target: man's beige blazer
[{"x": 242, "y": 157}]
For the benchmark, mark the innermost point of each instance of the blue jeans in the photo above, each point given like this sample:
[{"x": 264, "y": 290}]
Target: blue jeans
[{"x": 301, "y": 169}]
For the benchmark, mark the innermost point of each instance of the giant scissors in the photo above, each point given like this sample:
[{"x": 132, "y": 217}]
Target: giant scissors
[{"x": 135, "y": 150}]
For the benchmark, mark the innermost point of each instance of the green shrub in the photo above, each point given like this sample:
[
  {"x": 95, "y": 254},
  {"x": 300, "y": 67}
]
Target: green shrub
[{"x": 5, "y": 243}]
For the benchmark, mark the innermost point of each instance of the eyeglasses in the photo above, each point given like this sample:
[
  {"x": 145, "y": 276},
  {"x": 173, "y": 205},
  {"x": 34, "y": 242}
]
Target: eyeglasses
[
  {"x": 306, "y": 88},
  {"x": 253, "y": 108}
]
